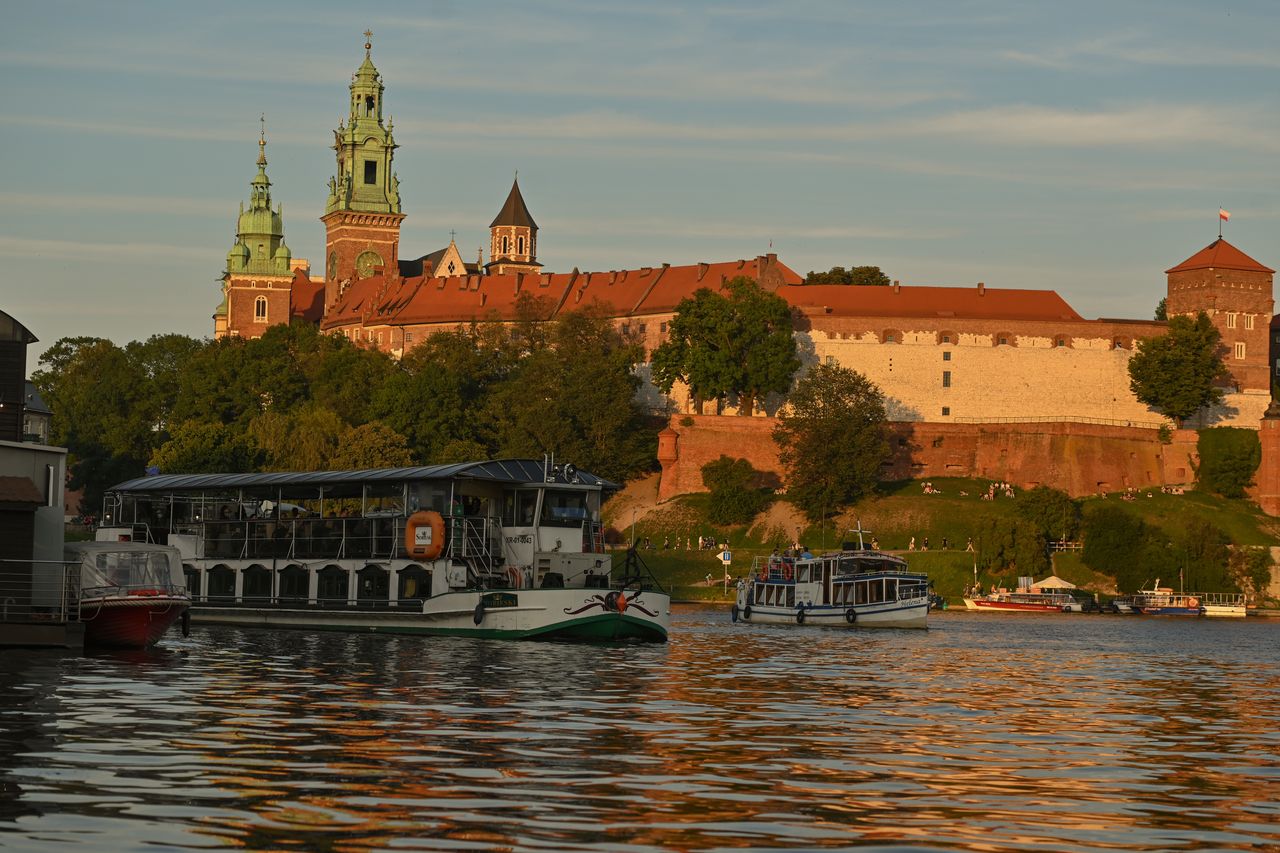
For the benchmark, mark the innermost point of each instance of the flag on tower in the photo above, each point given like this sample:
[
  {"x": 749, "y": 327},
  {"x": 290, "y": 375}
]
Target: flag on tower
[{"x": 1224, "y": 215}]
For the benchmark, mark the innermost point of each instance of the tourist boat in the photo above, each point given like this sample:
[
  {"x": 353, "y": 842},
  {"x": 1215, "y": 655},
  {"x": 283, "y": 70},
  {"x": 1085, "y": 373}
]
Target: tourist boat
[
  {"x": 130, "y": 593},
  {"x": 507, "y": 549},
  {"x": 853, "y": 586},
  {"x": 1161, "y": 601},
  {"x": 1029, "y": 597},
  {"x": 1223, "y": 604}
]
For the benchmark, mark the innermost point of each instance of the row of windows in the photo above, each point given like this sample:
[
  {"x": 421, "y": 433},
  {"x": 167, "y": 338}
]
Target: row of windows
[
  {"x": 894, "y": 337},
  {"x": 506, "y": 245},
  {"x": 1232, "y": 318}
]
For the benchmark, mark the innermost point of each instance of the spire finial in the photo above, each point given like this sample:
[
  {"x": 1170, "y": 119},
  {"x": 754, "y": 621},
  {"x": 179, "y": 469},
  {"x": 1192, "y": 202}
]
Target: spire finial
[
  {"x": 262, "y": 140},
  {"x": 452, "y": 234},
  {"x": 368, "y": 42}
]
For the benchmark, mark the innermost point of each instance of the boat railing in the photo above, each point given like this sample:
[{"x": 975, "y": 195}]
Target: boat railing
[
  {"x": 140, "y": 590},
  {"x": 45, "y": 591},
  {"x": 1219, "y": 599}
]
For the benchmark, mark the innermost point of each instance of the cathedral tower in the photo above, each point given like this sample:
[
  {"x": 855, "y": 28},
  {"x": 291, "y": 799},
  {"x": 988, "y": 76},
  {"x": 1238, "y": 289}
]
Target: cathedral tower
[
  {"x": 362, "y": 215},
  {"x": 513, "y": 237},
  {"x": 256, "y": 284},
  {"x": 1235, "y": 291}
]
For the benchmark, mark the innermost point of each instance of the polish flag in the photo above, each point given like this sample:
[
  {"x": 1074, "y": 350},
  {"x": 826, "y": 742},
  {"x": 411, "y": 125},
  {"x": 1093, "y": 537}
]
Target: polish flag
[{"x": 1224, "y": 215}]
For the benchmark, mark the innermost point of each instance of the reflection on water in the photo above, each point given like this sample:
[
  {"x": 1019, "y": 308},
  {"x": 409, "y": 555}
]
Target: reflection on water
[{"x": 987, "y": 732}]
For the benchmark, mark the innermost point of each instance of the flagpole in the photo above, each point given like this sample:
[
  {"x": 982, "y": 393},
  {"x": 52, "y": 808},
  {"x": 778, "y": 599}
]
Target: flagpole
[{"x": 1219, "y": 222}]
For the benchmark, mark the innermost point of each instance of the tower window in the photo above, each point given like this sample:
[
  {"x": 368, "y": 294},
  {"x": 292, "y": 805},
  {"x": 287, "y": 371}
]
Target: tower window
[
  {"x": 946, "y": 356},
  {"x": 370, "y": 172},
  {"x": 1248, "y": 321},
  {"x": 1231, "y": 319},
  {"x": 260, "y": 309},
  {"x": 1240, "y": 349},
  {"x": 946, "y": 379},
  {"x": 506, "y": 245},
  {"x": 368, "y": 105},
  {"x": 520, "y": 245},
  {"x": 946, "y": 411}
]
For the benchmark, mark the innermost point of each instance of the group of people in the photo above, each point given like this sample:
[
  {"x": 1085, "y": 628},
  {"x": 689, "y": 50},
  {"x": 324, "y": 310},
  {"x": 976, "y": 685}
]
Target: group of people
[
  {"x": 924, "y": 544},
  {"x": 705, "y": 543},
  {"x": 1002, "y": 488}
]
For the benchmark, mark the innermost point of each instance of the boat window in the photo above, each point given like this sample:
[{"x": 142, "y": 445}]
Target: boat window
[
  {"x": 891, "y": 589},
  {"x": 128, "y": 568},
  {"x": 518, "y": 508},
  {"x": 294, "y": 583},
  {"x": 256, "y": 583},
  {"x": 192, "y": 575},
  {"x": 429, "y": 496},
  {"x": 384, "y": 499},
  {"x": 221, "y": 582},
  {"x": 332, "y": 585},
  {"x": 375, "y": 584},
  {"x": 415, "y": 585},
  {"x": 564, "y": 507}
]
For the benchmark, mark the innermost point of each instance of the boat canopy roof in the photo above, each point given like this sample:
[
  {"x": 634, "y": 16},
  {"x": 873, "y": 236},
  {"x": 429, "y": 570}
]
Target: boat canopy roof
[{"x": 508, "y": 471}]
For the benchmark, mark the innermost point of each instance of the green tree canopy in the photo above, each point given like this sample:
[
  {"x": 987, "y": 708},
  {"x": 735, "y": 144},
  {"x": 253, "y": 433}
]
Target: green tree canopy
[
  {"x": 831, "y": 439},
  {"x": 736, "y": 496},
  {"x": 1049, "y": 512},
  {"x": 1162, "y": 311},
  {"x": 205, "y": 447},
  {"x": 1229, "y": 456},
  {"x": 738, "y": 341},
  {"x": 856, "y": 276},
  {"x": 1178, "y": 373}
]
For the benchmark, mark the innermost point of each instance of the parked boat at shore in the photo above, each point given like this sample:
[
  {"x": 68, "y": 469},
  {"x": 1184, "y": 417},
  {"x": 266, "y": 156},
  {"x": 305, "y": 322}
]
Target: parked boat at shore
[
  {"x": 855, "y": 586},
  {"x": 1047, "y": 596},
  {"x": 131, "y": 593},
  {"x": 509, "y": 549}
]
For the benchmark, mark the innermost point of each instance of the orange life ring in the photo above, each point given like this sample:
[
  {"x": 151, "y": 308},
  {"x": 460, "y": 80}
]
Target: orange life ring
[
  {"x": 157, "y": 592},
  {"x": 786, "y": 571},
  {"x": 516, "y": 575},
  {"x": 424, "y": 534},
  {"x": 1193, "y": 602}
]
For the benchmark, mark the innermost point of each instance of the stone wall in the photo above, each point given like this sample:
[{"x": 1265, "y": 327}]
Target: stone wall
[{"x": 1078, "y": 458}]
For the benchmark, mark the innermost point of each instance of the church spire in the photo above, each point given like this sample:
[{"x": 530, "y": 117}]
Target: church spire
[
  {"x": 259, "y": 246},
  {"x": 513, "y": 236}
]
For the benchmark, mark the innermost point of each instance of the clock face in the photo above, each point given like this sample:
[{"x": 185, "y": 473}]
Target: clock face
[
  {"x": 333, "y": 265},
  {"x": 366, "y": 262}
]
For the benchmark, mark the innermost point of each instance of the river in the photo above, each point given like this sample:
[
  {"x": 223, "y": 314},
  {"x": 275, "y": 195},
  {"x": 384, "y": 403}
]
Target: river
[{"x": 990, "y": 732}]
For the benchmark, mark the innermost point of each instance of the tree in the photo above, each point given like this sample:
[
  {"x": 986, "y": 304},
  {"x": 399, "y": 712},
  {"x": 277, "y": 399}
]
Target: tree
[
  {"x": 1049, "y": 512},
  {"x": 856, "y": 276},
  {"x": 371, "y": 445},
  {"x": 736, "y": 342},
  {"x": 1113, "y": 544},
  {"x": 831, "y": 439},
  {"x": 1178, "y": 373},
  {"x": 1229, "y": 456},
  {"x": 1162, "y": 310},
  {"x": 205, "y": 447},
  {"x": 735, "y": 496}
]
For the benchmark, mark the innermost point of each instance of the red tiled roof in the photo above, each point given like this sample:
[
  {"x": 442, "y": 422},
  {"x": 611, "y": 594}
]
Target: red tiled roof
[
  {"x": 460, "y": 299},
  {"x": 306, "y": 297},
  {"x": 1220, "y": 255},
  {"x": 963, "y": 302}
]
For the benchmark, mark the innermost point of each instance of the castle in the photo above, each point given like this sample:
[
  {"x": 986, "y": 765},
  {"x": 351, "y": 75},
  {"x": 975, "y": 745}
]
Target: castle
[{"x": 953, "y": 360}]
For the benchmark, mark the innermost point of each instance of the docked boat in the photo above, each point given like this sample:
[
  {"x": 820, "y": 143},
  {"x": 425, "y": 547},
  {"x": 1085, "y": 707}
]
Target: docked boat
[
  {"x": 1048, "y": 596},
  {"x": 509, "y": 549},
  {"x": 855, "y": 586},
  {"x": 130, "y": 593},
  {"x": 1161, "y": 601},
  {"x": 1231, "y": 605}
]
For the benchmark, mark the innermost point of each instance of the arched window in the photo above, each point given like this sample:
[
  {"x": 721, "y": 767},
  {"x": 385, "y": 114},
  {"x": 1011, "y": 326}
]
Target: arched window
[
  {"x": 260, "y": 309},
  {"x": 506, "y": 245},
  {"x": 520, "y": 245}
]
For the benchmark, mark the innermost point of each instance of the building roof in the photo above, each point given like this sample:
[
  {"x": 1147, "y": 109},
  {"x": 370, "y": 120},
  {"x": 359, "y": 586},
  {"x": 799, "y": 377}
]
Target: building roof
[
  {"x": 459, "y": 299},
  {"x": 34, "y": 402},
  {"x": 508, "y": 471},
  {"x": 514, "y": 211},
  {"x": 306, "y": 297},
  {"x": 19, "y": 490},
  {"x": 12, "y": 330},
  {"x": 961, "y": 302},
  {"x": 1220, "y": 255}
]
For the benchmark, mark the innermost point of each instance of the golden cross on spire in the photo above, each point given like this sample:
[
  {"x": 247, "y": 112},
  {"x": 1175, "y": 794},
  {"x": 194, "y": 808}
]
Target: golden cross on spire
[
  {"x": 368, "y": 40},
  {"x": 262, "y": 140}
]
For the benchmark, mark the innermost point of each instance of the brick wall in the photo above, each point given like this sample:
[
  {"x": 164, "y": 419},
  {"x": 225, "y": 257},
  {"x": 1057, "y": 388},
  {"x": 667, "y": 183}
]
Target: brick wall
[{"x": 1078, "y": 458}]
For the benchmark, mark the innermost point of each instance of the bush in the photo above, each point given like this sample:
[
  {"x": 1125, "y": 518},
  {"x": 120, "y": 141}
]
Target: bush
[
  {"x": 1114, "y": 542},
  {"x": 1228, "y": 458},
  {"x": 1049, "y": 512},
  {"x": 735, "y": 496}
]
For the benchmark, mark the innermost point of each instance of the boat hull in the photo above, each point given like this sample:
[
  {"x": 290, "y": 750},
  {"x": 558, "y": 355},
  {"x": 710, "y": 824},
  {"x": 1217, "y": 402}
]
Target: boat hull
[
  {"x": 543, "y": 614},
  {"x": 913, "y": 614},
  {"x": 130, "y": 622},
  {"x": 1234, "y": 611},
  {"x": 1016, "y": 606}
]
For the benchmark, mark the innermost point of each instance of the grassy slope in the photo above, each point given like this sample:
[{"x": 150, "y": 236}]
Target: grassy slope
[{"x": 902, "y": 510}]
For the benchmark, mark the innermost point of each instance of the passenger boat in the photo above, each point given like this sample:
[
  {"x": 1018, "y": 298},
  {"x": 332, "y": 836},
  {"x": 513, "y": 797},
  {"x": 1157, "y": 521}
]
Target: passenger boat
[
  {"x": 1223, "y": 604},
  {"x": 853, "y": 586},
  {"x": 130, "y": 593},
  {"x": 507, "y": 549},
  {"x": 1028, "y": 597},
  {"x": 1161, "y": 601}
]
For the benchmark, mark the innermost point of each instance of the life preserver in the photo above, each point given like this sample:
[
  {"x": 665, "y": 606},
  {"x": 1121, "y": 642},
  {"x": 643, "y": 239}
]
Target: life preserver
[
  {"x": 478, "y": 616},
  {"x": 424, "y": 534},
  {"x": 851, "y": 616},
  {"x": 800, "y": 615},
  {"x": 786, "y": 571},
  {"x": 516, "y": 575},
  {"x": 157, "y": 592},
  {"x": 1193, "y": 602},
  {"x": 733, "y": 613},
  {"x": 746, "y": 613}
]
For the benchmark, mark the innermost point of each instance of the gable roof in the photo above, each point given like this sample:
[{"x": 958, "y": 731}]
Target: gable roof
[
  {"x": 961, "y": 302},
  {"x": 514, "y": 211},
  {"x": 1220, "y": 255},
  {"x": 306, "y": 297}
]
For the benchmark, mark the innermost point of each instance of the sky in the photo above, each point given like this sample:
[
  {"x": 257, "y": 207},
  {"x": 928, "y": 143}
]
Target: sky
[{"x": 1082, "y": 147}]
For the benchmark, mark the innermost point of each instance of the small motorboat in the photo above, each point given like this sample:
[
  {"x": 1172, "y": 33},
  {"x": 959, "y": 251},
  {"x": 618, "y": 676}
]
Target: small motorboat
[{"x": 130, "y": 593}]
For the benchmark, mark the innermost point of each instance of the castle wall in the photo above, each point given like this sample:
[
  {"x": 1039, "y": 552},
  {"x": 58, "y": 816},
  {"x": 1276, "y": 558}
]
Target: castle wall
[
  {"x": 1080, "y": 459},
  {"x": 242, "y": 296}
]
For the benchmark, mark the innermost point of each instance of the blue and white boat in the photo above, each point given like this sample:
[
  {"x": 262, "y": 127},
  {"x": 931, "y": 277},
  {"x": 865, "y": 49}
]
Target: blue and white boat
[{"x": 855, "y": 586}]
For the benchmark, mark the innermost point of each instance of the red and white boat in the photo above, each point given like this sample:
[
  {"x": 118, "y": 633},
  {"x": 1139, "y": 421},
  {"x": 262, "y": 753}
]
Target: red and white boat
[
  {"x": 130, "y": 593},
  {"x": 1048, "y": 595}
]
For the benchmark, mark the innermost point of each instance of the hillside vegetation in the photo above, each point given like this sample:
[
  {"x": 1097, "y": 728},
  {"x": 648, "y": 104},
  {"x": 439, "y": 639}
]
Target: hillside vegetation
[{"x": 895, "y": 514}]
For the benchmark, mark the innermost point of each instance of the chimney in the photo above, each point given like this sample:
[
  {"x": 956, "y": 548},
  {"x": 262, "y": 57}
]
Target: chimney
[
  {"x": 702, "y": 269},
  {"x": 982, "y": 289},
  {"x": 896, "y": 286}
]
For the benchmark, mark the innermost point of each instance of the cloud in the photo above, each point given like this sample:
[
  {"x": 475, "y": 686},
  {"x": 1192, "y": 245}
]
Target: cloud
[
  {"x": 134, "y": 253},
  {"x": 162, "y": 205}
]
